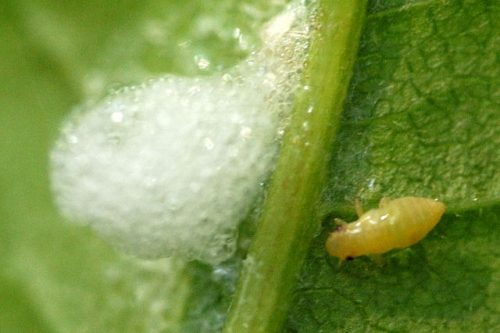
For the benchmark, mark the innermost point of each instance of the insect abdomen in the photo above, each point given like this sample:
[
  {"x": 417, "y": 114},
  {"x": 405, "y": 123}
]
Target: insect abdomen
[{"x": 397, "y": 223}]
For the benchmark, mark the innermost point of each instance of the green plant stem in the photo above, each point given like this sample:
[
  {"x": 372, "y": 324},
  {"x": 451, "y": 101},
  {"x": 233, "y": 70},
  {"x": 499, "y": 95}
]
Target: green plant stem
[{"x": 289, "y": 218}]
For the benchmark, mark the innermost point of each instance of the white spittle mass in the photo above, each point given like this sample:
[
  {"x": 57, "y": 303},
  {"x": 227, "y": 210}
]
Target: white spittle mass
[{"x": 170, "y": 167}]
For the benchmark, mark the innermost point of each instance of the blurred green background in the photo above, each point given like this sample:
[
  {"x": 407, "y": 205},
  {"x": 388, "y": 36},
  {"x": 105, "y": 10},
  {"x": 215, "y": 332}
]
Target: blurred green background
[{"x": 56, "y": 277}]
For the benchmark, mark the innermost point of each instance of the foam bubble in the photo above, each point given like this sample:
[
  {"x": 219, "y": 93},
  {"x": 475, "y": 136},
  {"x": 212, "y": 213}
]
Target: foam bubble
[{"x": 172, "y": 166}]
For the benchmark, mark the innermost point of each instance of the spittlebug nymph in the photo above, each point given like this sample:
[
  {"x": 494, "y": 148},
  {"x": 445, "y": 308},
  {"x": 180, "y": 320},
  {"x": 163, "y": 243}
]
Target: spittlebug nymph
[{"x": 397, "y": 223}]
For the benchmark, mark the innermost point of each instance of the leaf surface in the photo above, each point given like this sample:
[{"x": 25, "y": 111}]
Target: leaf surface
[{"x": 422, "y": 119}]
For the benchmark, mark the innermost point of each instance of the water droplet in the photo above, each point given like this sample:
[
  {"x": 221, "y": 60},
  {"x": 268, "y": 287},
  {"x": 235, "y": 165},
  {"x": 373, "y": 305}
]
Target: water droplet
[
  {"x": 305, "y": 126},
  {"x": 246, "y": 132},
  {"x": 202, "y": 63},
  {"x": 117, "y": 117},
  {"x": 208, "y": 143},
  {"x": 73, "y": 139}
]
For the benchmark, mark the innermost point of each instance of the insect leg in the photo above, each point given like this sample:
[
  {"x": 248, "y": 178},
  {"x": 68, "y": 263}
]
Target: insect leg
[
  {"x": 358, "y": 207},
  {"x": 384, "y": 202},
  {"x": 339, "y": 222}
]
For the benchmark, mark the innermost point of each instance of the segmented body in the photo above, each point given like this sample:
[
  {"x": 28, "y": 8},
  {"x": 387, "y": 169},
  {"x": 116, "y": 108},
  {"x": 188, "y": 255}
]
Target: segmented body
[{"x": 397, "y": 223}]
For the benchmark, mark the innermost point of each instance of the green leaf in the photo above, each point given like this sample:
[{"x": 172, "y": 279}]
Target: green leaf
[{"x": 422, "y": 118}]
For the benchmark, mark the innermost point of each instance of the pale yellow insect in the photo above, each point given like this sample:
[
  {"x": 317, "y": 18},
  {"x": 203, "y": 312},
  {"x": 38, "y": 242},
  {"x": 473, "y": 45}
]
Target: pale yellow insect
[{"x": 397, "y": 223}]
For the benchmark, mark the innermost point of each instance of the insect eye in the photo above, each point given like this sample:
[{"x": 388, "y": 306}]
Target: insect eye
[{"x": 340, "y": 228}]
